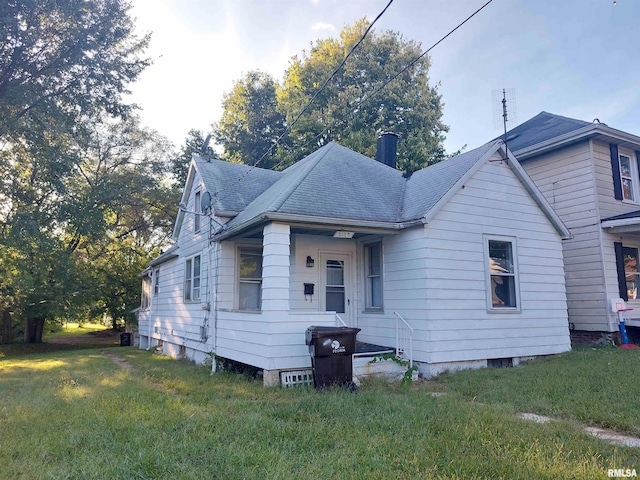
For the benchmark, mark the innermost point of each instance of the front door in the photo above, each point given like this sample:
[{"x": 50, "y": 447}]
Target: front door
[{"x": 336, "y": 287}]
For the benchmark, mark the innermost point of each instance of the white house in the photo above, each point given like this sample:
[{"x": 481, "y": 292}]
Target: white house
[{"x": 464, "y": 257}]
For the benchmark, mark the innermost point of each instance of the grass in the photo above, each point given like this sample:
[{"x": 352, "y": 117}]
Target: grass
[
  {"x": 71, "y": 336},
  {"x": 74, "y": 330},
  {"x": 77, "y": 414}
]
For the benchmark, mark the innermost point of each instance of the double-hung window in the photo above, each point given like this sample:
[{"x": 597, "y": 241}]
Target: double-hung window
[
  {"x": 373, "y": 270},
  {"x": 628, "y": 177},
  {"x": 502, "y": 273},
  {"x": 249, "y": 278},
  {"x": 192, "y": 278},
  {"x": 631, "y": 273},
  {"x": 156, "y": 282},
  {"x": 145, "y": 300}
]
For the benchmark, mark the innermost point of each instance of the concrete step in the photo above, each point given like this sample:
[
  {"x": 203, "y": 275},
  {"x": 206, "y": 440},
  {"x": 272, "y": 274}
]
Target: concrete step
[{"x": 364, "y": 367}]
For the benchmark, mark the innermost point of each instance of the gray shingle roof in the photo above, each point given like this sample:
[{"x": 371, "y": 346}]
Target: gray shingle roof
[
  {"x": 237, "y": 185},
  {"x": 427, "y": 186},
  {"x": 336, "y": 182},
  {"x": 540, "y": 128}
]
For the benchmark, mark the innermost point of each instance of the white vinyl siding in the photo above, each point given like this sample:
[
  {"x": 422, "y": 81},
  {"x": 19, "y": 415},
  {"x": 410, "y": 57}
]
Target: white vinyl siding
[{"x": 493, "y": 205}]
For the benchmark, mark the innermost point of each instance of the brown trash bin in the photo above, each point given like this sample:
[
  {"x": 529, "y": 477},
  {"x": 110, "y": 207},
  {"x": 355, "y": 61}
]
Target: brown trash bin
[{"x": 331, "y": 350}]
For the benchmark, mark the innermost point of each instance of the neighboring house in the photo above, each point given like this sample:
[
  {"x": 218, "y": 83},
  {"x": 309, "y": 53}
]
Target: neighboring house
[
  {"x": 589, "y": 173},
  {"x": 467, "y": 252}
]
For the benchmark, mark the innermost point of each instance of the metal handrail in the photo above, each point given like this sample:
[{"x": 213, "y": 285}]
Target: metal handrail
[
  {"x": 404, "y": 341},
  {"x": 340, "y": 322}
]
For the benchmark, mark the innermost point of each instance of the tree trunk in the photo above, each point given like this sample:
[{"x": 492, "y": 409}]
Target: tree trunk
[
  {"x": 33, "y": 330},
  {"x": 6, "y": 328}
]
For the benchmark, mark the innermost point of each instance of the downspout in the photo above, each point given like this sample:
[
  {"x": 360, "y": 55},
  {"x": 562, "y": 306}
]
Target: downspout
[
  {"x": 151, "y": 306},
  {"x": 214, "y": 255}
]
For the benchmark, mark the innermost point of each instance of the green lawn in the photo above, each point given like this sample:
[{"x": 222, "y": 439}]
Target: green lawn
[
  {"x": 78, "y": 414},
  {"x": 74, "y": 329}
]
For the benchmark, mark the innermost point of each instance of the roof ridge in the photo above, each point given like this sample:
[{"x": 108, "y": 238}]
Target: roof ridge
[
  {"x": 284, "y": 196},
  {"x": 562, "y": 117}
]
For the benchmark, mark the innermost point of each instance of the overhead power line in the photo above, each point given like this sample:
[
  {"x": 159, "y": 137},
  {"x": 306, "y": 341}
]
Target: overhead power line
[
  {"x": 310, "y": 102},
  {"x": 366, "y": 98}
]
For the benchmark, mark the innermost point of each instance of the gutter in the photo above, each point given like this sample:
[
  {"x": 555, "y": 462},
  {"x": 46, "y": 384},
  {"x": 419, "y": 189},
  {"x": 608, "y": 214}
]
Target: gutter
[
  {"x": 623, "y": 222},
  {"x": 583, "y": 133},
  {"x": 316, "y": 221}
]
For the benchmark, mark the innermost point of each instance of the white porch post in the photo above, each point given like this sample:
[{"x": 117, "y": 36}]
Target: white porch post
[
  {"x": 275, "y": 281},
  {"x": 275, "y": 268}
]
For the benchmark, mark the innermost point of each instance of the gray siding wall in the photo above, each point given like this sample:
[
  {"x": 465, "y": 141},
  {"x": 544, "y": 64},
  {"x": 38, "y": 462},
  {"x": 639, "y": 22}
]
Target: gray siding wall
[{"x": 570, "y": 180}]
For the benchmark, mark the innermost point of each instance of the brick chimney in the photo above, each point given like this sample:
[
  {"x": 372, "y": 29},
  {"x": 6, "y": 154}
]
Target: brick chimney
[{"x": 386, "y": 148}]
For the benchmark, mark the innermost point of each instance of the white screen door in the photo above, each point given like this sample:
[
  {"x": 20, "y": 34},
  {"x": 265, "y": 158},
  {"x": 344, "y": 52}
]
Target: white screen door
[{"x": 336, "y": 289}]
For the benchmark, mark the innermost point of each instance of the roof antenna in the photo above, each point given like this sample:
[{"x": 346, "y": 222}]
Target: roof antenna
[
  {"x": 204, "y": 151},
  {"x": 508, "y": 96}
]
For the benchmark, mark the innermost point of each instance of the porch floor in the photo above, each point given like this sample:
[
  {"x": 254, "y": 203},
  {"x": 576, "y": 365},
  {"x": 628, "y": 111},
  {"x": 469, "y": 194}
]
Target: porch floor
[{"x": 364, "y": 349}]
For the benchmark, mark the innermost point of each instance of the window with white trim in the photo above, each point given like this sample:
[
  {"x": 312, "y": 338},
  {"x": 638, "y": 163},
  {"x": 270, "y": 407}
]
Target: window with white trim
[
  {"x": 373, "y": 272},
  {"x": 629, "y": 177},
  {"x": 249, "y": 278},
  {"x": 502, "y": 273},
  {"x": 156, "y": 282},
  {"x": 145, "y": 300},
  {"x": 192, "y": 267},
  {"x": 631, "y": 273},
  {"x": 197, "y": 211}
]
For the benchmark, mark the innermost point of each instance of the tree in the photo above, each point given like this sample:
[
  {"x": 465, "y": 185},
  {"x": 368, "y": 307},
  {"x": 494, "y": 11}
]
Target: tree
[
  {"x": 250, "y": 123},
  {"x": 408, "y": 106},
  {"x": 64, "y": 66},
  {"x": 193, "y": 145},
  {"x": 61, "y": 61}
]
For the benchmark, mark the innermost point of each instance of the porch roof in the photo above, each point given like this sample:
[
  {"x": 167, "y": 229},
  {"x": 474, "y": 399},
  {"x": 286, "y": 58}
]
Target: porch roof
[{"x": 625, "y": 223}]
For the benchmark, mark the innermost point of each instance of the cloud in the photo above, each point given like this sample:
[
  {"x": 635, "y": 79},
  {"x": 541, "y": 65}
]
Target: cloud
[
  {"x": 315, "y": 2},
  {"x": 322, "y": 26}
]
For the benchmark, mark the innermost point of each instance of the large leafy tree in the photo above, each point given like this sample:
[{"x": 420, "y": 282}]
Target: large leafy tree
[
  {"x": 408, "y": 106},
  {"x": 61, "y": 61},
  {"x": 348, "y": 110},
  {"x": 195, "y": 144},
  {"x": 73, "y": 181},
  {"x": 251, "y": 123}
]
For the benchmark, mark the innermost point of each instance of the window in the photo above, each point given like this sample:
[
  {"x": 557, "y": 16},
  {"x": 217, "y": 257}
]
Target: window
[
  {"x": 192, "y": 279},
  {"x": 249, "y": 278},
  {"x": 156, "y": 282},
  {"x": 502, "y": 274},
  {"x": 145, "y": 301},
  {"x": 373, "y": 271},
  {"x": 628, "y": 176},
  {"x": 196, "y": 215},
  {"x": 631, "y": 272}
]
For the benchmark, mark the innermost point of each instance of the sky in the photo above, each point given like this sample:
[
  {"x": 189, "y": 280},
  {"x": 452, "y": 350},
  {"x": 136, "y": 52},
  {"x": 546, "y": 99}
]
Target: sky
[{"x": 577, "y": 58}]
